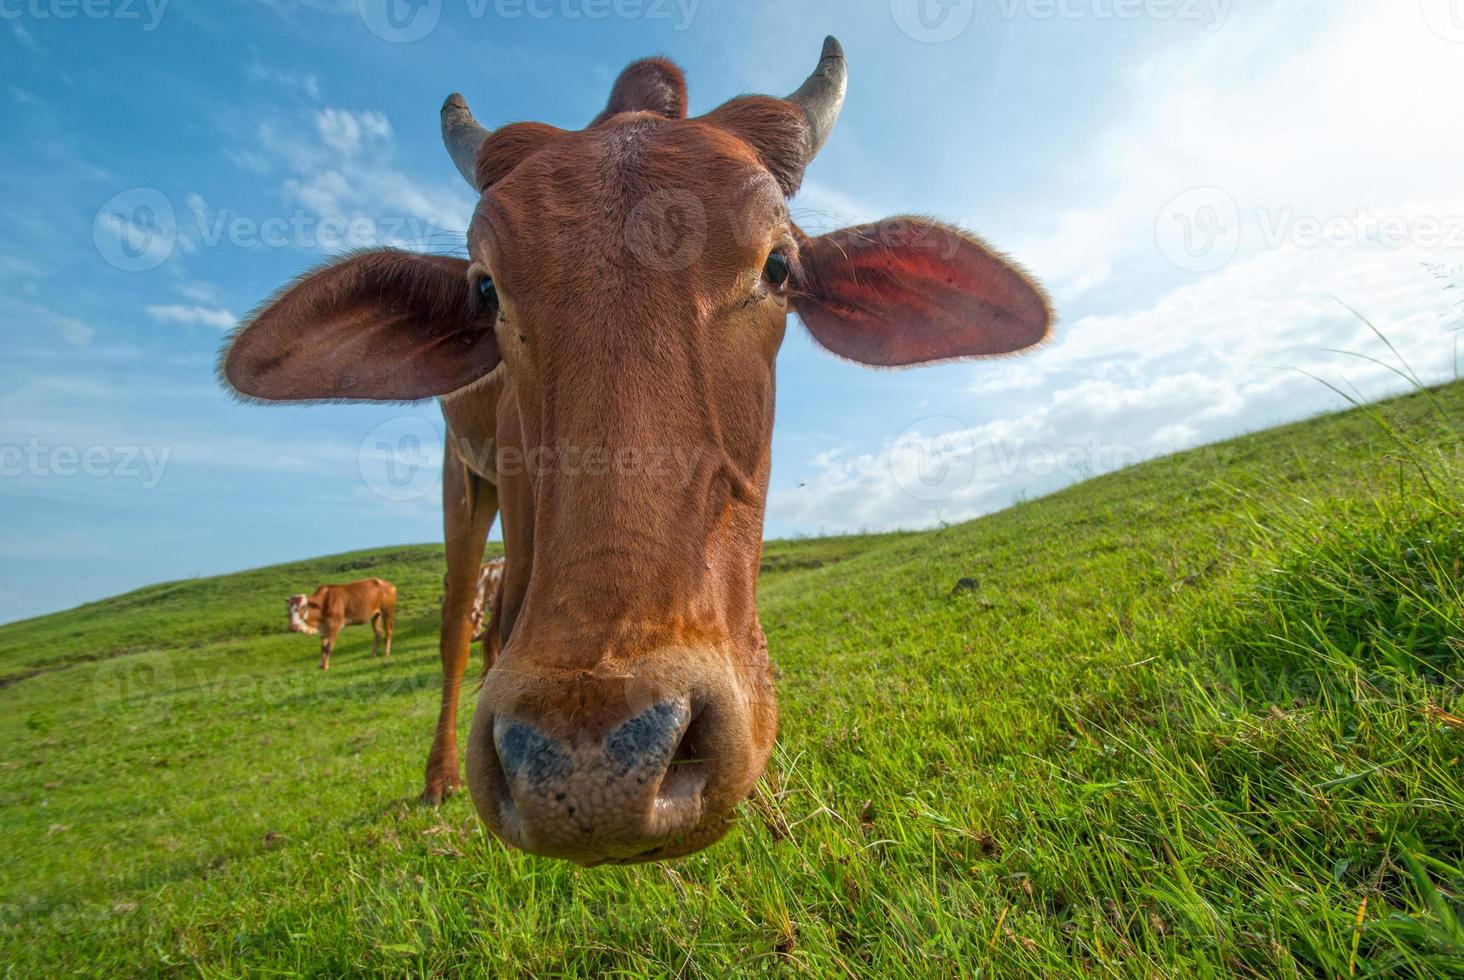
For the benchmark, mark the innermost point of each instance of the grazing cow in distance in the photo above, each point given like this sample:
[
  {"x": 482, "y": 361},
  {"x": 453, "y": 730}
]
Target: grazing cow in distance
[
  {"x": 604, "y": 358},
  {"x": 485, "y": 608},
  {"x": 490, "y": 579},
  {"x": 331, "y": 607}
]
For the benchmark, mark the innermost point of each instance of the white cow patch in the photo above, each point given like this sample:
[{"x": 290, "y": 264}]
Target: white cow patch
[
  {"x": 488, "y": 578},
  {"x": 299, "y": 607}
]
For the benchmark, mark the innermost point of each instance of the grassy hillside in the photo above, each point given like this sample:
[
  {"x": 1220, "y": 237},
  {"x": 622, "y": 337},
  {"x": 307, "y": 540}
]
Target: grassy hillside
[{"x": 1199, "y": 717}]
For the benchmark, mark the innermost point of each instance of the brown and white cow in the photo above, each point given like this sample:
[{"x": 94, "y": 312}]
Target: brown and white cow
[
  {"x": 485, "y": 599},
  {"x": 604, "y": 359},
  {"x": 330, "y": 608}
]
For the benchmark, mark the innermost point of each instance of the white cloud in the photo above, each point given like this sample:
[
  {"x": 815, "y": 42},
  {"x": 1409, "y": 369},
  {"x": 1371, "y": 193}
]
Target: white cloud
[
  {"x": 198, "y": 291},
  {"x": 73, "y": 331},
  {"x": 1318, "y": 107},
  {"x": 347, "y": 132},
  {"x": 1321, "y": 122},
  {"x": 1227, "y": 354},
  {"x": 28, "y": 40},
  {"x": 193, "y": 316},
  {"x": 306, "y": 83},
  {"x": 343, "y": 172}
]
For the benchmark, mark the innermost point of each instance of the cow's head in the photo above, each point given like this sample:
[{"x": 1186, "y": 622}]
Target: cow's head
[
  {"x": 304, "y": 614},
  {"x": 633, "y": 279}
]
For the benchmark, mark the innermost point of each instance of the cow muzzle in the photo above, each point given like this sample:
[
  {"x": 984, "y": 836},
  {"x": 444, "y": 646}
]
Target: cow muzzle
[{"x": 619, "y": 770}]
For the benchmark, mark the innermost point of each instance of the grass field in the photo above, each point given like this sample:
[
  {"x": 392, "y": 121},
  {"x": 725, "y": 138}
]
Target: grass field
[{"x": 1201, "y": 717}]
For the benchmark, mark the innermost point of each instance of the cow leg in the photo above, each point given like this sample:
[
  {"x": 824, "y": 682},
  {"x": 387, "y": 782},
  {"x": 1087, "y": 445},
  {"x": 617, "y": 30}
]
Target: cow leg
[
  {"x": 469, "y": 505},
  {"x": 328, "y": 634},
  {"x": 376, "y": 633},
  {"x": 388, "y": 624}
]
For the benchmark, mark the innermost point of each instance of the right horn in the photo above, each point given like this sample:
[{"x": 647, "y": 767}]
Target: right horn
[
  {"x": 821, "y": 96},
  {"x": 462, "y": 136}
]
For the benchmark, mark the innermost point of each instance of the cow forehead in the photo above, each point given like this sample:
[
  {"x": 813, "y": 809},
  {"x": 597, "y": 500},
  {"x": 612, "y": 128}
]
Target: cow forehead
[{"x": 613, "y": 186}]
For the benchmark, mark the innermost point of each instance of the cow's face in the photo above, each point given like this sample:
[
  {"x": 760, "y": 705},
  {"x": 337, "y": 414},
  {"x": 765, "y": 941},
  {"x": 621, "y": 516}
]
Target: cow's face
[
  {"x": 304, "y": 614},
  {"x": 633, "y": 279},
  {"x": 634, "y": 675}
]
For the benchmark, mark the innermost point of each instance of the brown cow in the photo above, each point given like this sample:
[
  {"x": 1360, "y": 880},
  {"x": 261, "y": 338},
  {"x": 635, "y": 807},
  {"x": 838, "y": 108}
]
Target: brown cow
[
  {"x": 331, "y": 607},
  {"x": 604, "y": 357}
]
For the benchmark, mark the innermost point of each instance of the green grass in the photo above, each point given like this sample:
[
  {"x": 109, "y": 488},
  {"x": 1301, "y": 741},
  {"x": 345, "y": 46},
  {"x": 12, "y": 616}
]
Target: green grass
[{"x": 1201, "y": 717}]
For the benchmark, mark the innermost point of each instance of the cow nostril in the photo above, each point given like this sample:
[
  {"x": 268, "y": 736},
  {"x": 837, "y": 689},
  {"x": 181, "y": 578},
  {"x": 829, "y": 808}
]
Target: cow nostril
[
  {"x": 687, "y": 749},
  {"x": 686, "y": 773}
]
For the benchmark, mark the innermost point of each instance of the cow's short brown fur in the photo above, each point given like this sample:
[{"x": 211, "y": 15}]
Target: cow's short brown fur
[
  {"x": 330, "y": 608},
  {"x": 604, "y": 360}
]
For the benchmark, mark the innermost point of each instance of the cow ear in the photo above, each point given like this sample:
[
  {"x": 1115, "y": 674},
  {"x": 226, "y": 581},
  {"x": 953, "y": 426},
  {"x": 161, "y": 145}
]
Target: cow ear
[
  {"x": 375, "y": 326},
  {"x": 912, "y": 291}
]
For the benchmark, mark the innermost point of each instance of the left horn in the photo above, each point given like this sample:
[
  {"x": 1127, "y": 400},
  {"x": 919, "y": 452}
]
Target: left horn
[
  {"x": 822, "y": 95},
  {"x": 462, "y": 136}
]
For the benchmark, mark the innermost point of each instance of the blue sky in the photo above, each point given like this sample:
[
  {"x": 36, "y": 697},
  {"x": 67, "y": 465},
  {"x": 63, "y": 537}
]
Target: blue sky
[{"x": 1201, "y": 183}]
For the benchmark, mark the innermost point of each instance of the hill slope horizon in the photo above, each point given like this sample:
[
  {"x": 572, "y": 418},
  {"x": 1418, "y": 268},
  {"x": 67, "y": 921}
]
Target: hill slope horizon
[
  {"x": 356, "y": 559},
  {"x": 1199, "y": 716}
]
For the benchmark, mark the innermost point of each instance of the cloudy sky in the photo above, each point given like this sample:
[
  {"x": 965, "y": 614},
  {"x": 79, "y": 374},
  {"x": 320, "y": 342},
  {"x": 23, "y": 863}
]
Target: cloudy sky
[{"x": 1209, "y": 188}]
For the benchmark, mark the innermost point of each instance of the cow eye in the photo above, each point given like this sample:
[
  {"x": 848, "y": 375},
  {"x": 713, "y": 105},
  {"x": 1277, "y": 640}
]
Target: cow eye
[
  {"x": 486, "y": 290},
  {"x": 775, "y": 269}
]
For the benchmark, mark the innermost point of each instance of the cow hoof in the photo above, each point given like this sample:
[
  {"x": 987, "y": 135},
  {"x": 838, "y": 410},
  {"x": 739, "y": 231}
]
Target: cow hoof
[
  {"x": 436, "y": 792},
  {"x": 432, "y": 796}
]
